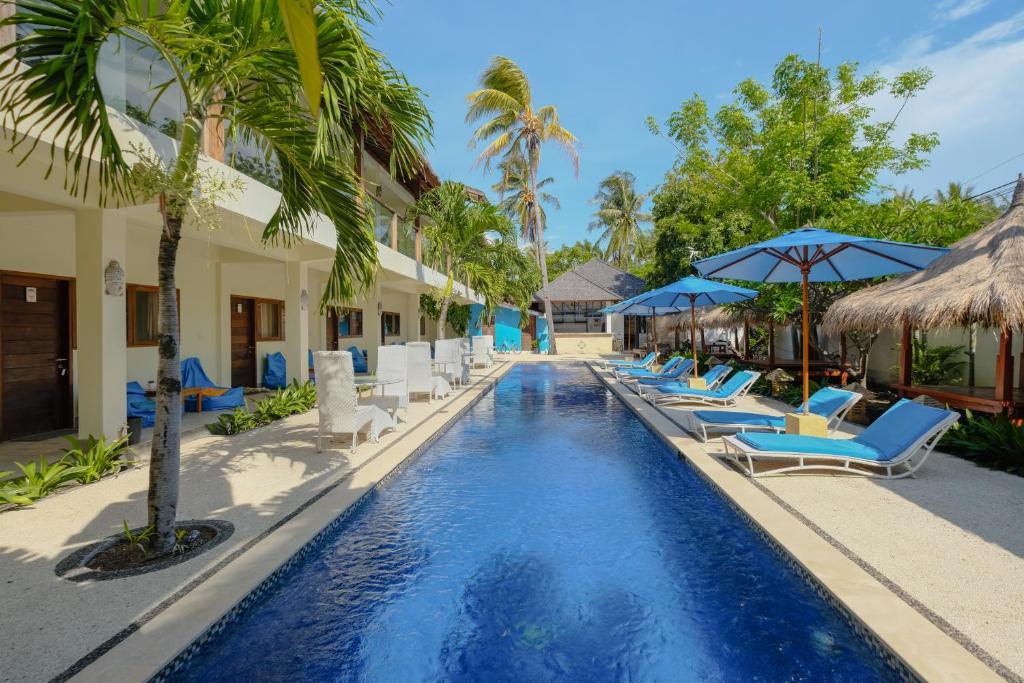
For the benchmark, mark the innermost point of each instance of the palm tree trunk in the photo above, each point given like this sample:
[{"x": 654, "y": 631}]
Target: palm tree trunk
[
  {"x": 542, "y": 257},
  {"x": 165, "y": 454}
]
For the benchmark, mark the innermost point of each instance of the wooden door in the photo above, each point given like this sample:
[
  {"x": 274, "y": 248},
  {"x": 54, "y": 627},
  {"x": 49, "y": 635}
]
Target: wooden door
[
  {"x": 35, "y": 355},
  {"x": 332, "y": 330},
  {"x": 243, "y": 342}
]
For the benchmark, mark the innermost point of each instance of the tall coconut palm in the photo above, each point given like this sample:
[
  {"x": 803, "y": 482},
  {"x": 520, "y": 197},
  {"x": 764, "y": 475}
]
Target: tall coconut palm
[
  {"x": 464, "y": 234},
  {"x": 517, "y": 130},
  {"x": 516, "y": 199},
  {"x": 231, "y": 60},
  {"x": 619, "y": 216}
]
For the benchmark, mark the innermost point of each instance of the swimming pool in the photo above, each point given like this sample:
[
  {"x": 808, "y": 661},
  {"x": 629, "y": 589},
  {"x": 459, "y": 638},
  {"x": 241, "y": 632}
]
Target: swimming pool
[{"x": 548, "y": 535}]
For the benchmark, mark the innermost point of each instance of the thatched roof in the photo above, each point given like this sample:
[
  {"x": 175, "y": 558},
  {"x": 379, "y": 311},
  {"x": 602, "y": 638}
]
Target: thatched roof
[
  {"x": 980, "y": 280},
  {"x": 722, "y": 317}
]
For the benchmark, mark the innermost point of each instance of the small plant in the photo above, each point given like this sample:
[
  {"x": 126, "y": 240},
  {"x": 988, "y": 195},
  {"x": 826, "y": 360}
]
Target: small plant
[
  {"x": 994, "y": 441},
  {"x": 292, "y": 400},
  {"x": 11, "y": 493},
  {"x": 936, "y": 364},
  {"x": 238, "y": 420},
  {"x": 96, "y": 458},
  {"x": 137, "y": 539},
  {"x": 43, "y": 478}
]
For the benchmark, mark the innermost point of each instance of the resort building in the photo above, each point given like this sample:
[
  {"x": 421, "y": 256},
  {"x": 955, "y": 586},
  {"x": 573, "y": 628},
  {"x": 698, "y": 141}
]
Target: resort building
[
  {"x": 78, "y": 312},
  {"x": 577, "y": 296}
]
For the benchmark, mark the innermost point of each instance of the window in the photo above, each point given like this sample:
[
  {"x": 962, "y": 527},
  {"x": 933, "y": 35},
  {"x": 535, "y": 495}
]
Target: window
[
  {"x": 143, "y": 303},
  {"x": 269, "y": 320},
  {"x": 392, "y": 324},
  {"x": 350, "y": 322}
]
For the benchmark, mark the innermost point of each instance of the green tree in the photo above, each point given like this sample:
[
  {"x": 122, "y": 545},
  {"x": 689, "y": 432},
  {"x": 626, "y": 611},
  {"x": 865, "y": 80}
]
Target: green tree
[
  {"x": 466, "y": 237},
  {"x": 516, "y": 198},
  {"x": 568, "y": 256},
  {"x": 518, "y": 130},
  {"x": 235, "y": 55},
  {"x": 619, "y": 216}
]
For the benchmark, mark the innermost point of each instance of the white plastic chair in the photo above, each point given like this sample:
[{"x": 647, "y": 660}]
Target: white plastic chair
[
  {"x": 338, "y": 407},
  {"x": 422, "y": 379},
  {"x": 448, "y": 356},
  {"x": 482, "y": 351}
]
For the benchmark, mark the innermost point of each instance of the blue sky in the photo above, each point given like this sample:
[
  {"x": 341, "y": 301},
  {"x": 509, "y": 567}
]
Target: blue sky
[{"x": 607, "y": 65}]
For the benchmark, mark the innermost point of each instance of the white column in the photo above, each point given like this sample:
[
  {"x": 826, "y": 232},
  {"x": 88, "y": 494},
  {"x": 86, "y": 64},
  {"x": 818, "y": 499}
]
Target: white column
[
  {"x": 100, "y": 237},
  {"x": 297, "y": 302},
  {"x": 413, "y": 316},
  {"x": 371, "y": 325}
]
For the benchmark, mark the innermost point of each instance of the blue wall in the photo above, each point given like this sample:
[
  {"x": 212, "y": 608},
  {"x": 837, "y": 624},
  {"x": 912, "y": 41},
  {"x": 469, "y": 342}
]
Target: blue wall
[
  {"x": 506, "y": 329},
  {"x": 542, "y": 334},
  {"x": 475, "y": 313}
]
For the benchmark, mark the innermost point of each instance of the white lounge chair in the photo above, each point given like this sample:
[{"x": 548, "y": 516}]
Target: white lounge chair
[
  {"x": 831, "y": 403},
  {"x": 482, "y": 352},
  {"x": 393, "y": 371},
  {"x": 887, "y": 449},
  {"x": 422, "y": 379},
  {"x": 735, "y": 387},
  {"x": 339, "y": 410}
]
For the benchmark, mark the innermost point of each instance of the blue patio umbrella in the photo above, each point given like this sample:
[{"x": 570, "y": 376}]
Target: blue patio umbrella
[
  {"x": 690, "y": 292},
  {"x": 815, "y": 255}
]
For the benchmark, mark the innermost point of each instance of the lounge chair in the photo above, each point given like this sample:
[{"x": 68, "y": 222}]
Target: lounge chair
[
  {"x": 832, "y": 404},
  {"x": 889, "y": 445},
  {"x": 713, "y": 377},
  {"x": 644, "y": 364},
  {"x": 339, "y": 410},
  {"x": 392, "y": 367},
  {"x": 676, "y": 372},
  {"x": 200, "y": 393},
  {"x": 735, "y": 387},
  {"x": 650, "y": 372},
  {"x": 482, "y": 352},
  {"x": 422, "y": 379}
]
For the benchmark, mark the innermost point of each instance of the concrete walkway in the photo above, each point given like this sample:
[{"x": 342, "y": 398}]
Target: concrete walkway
[
  {"x": 253, "y": 480},
  {"x": 950, "y": 541}
]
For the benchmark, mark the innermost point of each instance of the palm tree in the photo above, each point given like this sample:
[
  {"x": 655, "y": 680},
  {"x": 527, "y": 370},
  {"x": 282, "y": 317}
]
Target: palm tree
[
  {"x": 517, "y": 130},
  {"x": 231, "y": 61},
  {"x": 619, "y": 215},
  {"x": 464, "y": 236},
  {"x": 516, "y": 199}
]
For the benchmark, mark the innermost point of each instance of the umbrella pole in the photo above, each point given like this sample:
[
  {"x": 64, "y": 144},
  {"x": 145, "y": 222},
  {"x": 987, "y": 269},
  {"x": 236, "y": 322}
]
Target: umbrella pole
[
  {"x": 693, "y": 335},
  {"x": 807, "y": 331}
]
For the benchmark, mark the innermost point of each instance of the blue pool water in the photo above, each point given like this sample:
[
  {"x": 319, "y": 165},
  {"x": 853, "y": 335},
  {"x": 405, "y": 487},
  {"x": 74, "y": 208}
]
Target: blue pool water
[{"x": 547, "y": 536}]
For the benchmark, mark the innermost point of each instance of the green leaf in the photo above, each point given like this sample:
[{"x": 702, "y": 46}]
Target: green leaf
[{"x": 300, "y": 22}]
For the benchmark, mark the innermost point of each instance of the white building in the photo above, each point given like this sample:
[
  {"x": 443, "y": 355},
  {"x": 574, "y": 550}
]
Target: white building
[{"x": 67, "y": 347}]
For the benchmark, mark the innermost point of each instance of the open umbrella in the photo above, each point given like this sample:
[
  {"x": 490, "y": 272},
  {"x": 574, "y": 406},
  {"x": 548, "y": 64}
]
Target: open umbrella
[
  {"x": 690, "y": 292},
  {"x": 816, "y": 255}
]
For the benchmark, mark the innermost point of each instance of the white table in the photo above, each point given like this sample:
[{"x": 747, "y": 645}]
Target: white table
[{"x": 388, "y": 403}]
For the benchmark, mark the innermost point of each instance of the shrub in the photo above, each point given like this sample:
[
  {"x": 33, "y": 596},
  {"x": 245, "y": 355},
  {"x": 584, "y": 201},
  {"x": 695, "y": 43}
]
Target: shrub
[
  {"x": 994, "y": 441},
  {"x": 936, "y": 364},
  {"x": 96, "y": 458},
  {"x": 43, "y": 478},
  {"x": 292, "y": 400}
]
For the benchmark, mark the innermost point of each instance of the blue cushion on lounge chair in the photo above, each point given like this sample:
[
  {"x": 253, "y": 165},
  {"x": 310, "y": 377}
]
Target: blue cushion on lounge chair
[
  {"x": 678, "y": 371},
  {"x": 740, "y": 418},
  {"x": 731, "y": 385},
  {"x": 632, "y": 363},
  {"x": 665, "y": 369},
  {"x": 811, "y": 445},
  {"x": 827, "y": 400},
  {"x": 900, "y": 426},
  {"x": 711, "y": 376}
]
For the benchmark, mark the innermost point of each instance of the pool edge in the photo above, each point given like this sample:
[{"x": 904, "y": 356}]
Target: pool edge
[
  {"x": 155, "y": 645},
  {"x": 909, "y": 641}
]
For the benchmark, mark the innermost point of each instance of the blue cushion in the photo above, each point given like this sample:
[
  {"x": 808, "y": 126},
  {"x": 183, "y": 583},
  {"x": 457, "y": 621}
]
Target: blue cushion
[
  {"x": 811, "y": 445},
  {"x": 632, "y": 363},
  {"x": 727, "y": 389},
  {"x": 740, "y": 418},
  {"x": 900, "y": 426},
  {"x": 827, "y": 401}
]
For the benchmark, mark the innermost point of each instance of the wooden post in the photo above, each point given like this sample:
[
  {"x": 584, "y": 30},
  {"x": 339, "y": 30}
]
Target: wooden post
[
  {"x": 906, "y": 375},
  {"x": 771, "y": 343},
  {"x": 1004, "y": 367},
  {"x": 693, "y": 335},
  {"x": 703, "y": 342},
  {"x": 746, "y": 340},
  {"x": 806, "y": 335},
  {"x": 842, "y": 349},
  {"x": 736, "y": 338}
]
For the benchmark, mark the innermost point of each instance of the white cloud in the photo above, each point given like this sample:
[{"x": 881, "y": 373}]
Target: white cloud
[
  {"x": 954, "y": 10},
  {"x": 974, "y": 102}
]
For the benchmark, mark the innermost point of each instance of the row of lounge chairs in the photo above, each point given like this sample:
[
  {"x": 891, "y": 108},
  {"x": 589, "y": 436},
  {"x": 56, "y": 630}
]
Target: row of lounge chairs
[{"x": 895, "y": 445}]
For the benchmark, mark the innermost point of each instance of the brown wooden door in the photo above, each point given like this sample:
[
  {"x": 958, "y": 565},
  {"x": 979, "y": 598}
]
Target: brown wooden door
[
  {"x": 332, "y": 330},
  {"x": 35, "y": 355},
  {"x": 243, "y": 342}
]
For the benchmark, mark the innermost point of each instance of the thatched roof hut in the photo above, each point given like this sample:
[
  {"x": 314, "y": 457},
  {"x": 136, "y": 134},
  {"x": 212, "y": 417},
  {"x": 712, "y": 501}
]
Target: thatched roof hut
[
  {"x": 722, "y": 317},
  {"x": 980, "y": 280}
]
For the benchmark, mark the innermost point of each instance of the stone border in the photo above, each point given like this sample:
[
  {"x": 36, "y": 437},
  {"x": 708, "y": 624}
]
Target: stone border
[
  {"x": 65, "y": 569},
  {"x": 164, "y": 638},
  {"x": 915, "y": 647}
]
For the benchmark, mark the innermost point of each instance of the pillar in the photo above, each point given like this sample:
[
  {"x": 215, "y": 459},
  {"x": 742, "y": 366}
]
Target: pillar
[
  {"x": 101, "y": 236},
  {"x": 296, "y": 320},
  {"x": 394, "y": 232},
  {"x": 906, "y": 374},
  {"x": 371, "y": 324},
  {"x": 412, "y": 314},
  {"x": 1004, "y": 366}
]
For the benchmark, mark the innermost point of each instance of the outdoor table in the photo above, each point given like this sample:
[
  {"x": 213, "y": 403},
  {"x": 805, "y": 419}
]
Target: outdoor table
[
  {"x": 389, "y": 403},
  {"x": 199, "y": 393}
]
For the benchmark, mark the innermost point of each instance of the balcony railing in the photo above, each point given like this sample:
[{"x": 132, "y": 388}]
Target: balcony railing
[
  {"x": 407, "y": 238},
  {"x": 381, "y": 222}
]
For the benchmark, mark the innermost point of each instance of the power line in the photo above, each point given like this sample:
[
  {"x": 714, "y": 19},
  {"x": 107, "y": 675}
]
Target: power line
[
  {"x": 991, "y": 190},
  {"x": 1000, "y": 164}
]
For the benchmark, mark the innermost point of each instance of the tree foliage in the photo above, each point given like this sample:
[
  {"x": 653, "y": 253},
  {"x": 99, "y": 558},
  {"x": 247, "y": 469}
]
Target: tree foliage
[{"x": 619, "y": 217}]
